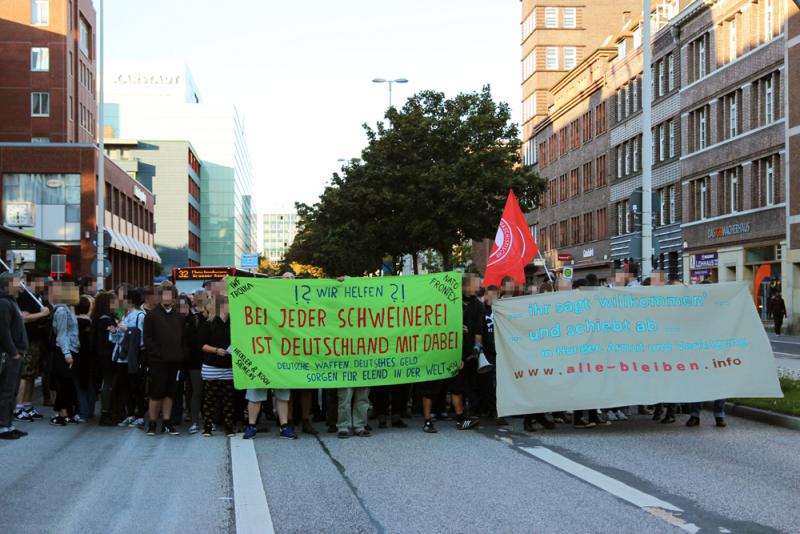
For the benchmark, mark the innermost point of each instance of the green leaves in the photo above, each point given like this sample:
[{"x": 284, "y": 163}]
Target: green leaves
[{"x": 438, "y": 173}]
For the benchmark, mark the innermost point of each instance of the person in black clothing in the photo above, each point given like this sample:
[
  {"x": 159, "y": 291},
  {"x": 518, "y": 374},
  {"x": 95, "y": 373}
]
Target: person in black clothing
[
  {"x": 114, "y": 374},
  {"x": 194, "y": 323},
  {"x": 13, "y": 344},
  {"x": 87, "y": 373},
  {"x": 217, "y": 370},
  {"x": 473, "y": 317},
  {"x": 35, "y": 360},
  {"x": 487, "y": 382},
  {"x": 778, "y": 309}
]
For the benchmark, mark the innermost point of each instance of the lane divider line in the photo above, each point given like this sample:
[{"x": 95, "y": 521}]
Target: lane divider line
[
  {"x": 249, "y": 498},
  {"x": 648, "y": 503}
]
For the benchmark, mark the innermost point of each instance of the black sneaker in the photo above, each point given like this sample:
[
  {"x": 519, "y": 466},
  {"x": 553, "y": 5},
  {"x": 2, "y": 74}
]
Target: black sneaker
[
  {"x": 668, "y": 419},
  {"x": 399, "y": 424},
  {"x": 363, "y": 433},
  {"x": 583, "y": 423},
  {"x": 167, "y": 428},
  {"x": 208, "y": 431},
  {"x": 229, "y": 432},
  {"x": 657, "y": 413},
  {"x": 468, "y": 423},
  {"x": 10, "y": 434},
  {"x": 22, "y": 415},
  {"x": 58, "y": 421},
  {"x": 429, "y": 428},
  {"x": 528, "y": 425},
  {"x": 308, "y": 428},
  {"x": 693, "y": 421},
  {"x": 19, "y": 433},
  {"x": 721, "y": 422},
  {"x": 151, "y": 428},
  {"x": 545, "y": 422}
]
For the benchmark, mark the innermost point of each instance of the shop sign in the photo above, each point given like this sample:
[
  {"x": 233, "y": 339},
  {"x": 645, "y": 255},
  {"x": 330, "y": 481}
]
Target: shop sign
[
  {"x": 704, "y": 261},
  {"x": 564, "y": 257},
  {"x": 588, "y": 252},
  {"x": 729, "y": 230},
  {"x": 148, "y": 79},
  {"x": 19, "y": 214}
]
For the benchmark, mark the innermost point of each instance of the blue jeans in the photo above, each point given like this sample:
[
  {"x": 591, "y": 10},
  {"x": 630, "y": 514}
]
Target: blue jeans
[
  {"x": 719, "y": 408},
  {"x": 86, "y": 399}
]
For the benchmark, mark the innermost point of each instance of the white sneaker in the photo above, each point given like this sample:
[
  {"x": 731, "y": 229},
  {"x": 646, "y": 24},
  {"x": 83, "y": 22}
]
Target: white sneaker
[
  {"x": 136, "y": 423},
  {"x": 194, "y": 429},
  {"x": 621, "y": 416},
  {"x": 125, "y": 422},
  {"x": 611, "y": 416}
]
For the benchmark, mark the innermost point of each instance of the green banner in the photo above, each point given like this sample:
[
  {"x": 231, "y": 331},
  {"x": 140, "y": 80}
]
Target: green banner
[{"x": 295, "y": 334}]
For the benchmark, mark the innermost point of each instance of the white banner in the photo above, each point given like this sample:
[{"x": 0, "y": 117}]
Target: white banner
[{"x": 601, "y": 348}]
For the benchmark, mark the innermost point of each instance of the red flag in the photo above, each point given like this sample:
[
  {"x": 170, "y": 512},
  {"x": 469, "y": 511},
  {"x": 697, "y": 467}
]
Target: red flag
[{"x": 513, "y": 248}]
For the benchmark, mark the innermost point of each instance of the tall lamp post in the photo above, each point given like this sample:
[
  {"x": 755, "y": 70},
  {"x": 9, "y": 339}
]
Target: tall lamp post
[
  {"x": 101, "y": 189},
  {"x": 390, "y": 82}
]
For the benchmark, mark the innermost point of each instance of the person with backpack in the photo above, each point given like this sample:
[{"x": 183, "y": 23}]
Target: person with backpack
[{"x": 128, "y": 347}]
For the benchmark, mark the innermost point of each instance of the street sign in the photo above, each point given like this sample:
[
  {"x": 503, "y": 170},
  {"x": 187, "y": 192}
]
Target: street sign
[
  {"x": 106, "y": 268},
  {"x": 565, "y": 257},
  {"x": 249, "y": 261},
  {"x": 106, "y": 240},
  {"x": 58, "y": 263},
  {"x": 567, "y": 273}
]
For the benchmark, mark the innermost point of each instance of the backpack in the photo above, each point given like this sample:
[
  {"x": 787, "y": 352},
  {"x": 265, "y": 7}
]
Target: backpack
[{"x": 131, "y": 347}]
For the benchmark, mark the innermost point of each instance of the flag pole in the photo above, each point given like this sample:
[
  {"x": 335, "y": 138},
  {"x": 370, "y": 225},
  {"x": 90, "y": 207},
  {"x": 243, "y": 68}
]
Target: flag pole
[{"x": 544, "y": 264}]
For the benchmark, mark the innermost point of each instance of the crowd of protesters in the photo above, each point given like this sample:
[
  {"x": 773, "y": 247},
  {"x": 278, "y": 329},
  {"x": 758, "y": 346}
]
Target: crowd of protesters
[{"x": 159, "y": 361}]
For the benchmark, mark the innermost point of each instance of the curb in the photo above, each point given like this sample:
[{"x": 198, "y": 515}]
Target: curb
[{"x": 761, "y": 416}]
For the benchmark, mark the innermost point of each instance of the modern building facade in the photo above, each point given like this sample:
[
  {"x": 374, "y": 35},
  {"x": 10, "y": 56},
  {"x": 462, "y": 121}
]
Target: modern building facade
[
  {"x": 159, "y": 101},
  {"x": 280, "y": 230},
  {"x": 47, "y": 79},
  {"x": 557, "y": 35},
  {"x": 171, "y": 170}
]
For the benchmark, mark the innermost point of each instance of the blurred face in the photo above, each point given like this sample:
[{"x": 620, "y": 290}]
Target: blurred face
[
  {"x": 166, "y": 298},
  {"x": 63, "y": 293},
  {"x": 287, "y": 275},
  {"x": 184, "y": 307},
  {"x": 224, "y": 310},
  {"x": 491, "y": 296},
  {"x": 199, "y": 301},
  {"x": 657, "y": 279},
  {"x": 470, "y": 285},
  {"x": 13, "y": 288}
]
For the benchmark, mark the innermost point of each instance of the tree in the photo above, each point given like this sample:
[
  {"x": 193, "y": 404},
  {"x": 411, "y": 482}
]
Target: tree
[{"x": 435, "y": 176}]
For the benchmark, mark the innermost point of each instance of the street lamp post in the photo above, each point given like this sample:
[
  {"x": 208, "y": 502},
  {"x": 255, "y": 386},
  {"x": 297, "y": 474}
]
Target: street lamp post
[
  {"x": 101, "y": 193},
  {"x": 390, "y": 82}
]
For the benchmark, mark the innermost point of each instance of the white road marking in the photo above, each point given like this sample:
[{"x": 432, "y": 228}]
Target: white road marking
[
  {"x": 648, "y": 503},
  {"x": 249, "y": 498},
  {"x": 777, "y": 340},
  {"x": 790, "y": 355}
]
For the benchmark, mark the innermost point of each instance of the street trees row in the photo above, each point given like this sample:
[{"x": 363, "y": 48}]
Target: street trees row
[{"x": 434, "y": 175}]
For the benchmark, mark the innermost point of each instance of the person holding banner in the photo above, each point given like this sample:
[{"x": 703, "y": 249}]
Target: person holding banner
[
  {"x": 217, "y": 370},
  {"x": 473, "y": 319}
]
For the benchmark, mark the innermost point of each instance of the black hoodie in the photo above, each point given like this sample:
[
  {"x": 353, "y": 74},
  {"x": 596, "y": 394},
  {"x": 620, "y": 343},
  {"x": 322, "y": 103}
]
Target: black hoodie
[{"x": 13, "y": 338}]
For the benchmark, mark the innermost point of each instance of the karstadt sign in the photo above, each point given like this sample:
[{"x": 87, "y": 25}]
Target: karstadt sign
[{"x": 148, "y": 79}]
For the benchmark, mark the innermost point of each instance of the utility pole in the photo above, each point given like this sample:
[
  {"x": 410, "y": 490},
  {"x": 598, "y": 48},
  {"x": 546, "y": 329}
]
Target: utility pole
[
  {"x": 101, "y": 182},
  {"x": 647, "y": 146}
]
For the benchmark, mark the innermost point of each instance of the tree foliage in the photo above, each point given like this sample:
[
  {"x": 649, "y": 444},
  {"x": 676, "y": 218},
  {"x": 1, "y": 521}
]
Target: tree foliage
[{"x": 435, "y": 175}]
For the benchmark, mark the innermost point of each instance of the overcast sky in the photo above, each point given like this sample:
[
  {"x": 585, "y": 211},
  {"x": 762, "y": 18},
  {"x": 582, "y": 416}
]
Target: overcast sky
[{"x": 300, "y": 71}]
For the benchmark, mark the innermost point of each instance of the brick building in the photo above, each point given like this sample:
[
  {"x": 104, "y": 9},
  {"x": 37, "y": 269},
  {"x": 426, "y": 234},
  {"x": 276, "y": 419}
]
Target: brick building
[
  {"x": 733, "y": 143},
  {"x": 572, "y": 153},
  {"x": 48, "y": 159},
  {"x": 791, "y": 289}
]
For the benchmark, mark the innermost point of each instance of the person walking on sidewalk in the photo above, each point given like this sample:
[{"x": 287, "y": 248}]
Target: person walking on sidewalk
[
  {"x": 778, "y": 309},
  {"x": 13, "y": 344}
]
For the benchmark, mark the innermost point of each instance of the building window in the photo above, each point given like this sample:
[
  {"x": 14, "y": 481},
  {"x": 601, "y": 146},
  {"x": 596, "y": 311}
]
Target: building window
[
  {"x": 627, "y": 103},
  {"x": 662, "y": 206},
  {"x": 671, "y": 71},
  {"x": 551, "y": 17},
  {"x": 662, "y": 142},
  {"x": 40, "y": 12},
  {"x": 601, "y": 171},
  {"x": 673, "y": 218},
  {"x": 671, "y": 126},
  {"x": 551, "y": 58},
  {"x": 769, "y": 180},
  {"x": 701, "y": 198},
  {"x": 575, "y": 227},
  {"x": 619, "y": 105},
  {"x": 732, "y": 45},
  {"x": 635, "y": 154},
  {"x": 562, "y": 187},
  {"x": 529, "y": 65},
  {"x": 40, "y": 104},
  {"x": 621, "y": 50},
  {"x": 637, "y": 37},
  {"x": 769, "y": 20},
  {"x": 529, "y": 108},
  {"x": 627, "y": 158},
  {"x": 769, "y": 102},
  {"x": 85, "y": 37},
  {"x": 588, "y": 178},
  {"x": 574, "y": 184},
  {"x": 570, "y": 57},
  {"x": 562, "y": 234},
  {"x": 553, "y": 188},
  {"x": 635, "y": 96},
  {"x": 702, "y": 128},
  {"x": 570, "y": 17},
  {"x": 40, "y": 139},
  {"x": 661, "y": 84},
  {"x": 733, "y": 119},
  {"x": 602, "y": 223},
  {"x": 40, "y": 59},
  {"x": 735, "y": 202},
  {"x": 529, "y": 25},
  {"x": 619, "y": 162},
  {"x": 701, "y": 58},
  {"x": 588, "y": 226},
  {"x": 600, "y": 119}
]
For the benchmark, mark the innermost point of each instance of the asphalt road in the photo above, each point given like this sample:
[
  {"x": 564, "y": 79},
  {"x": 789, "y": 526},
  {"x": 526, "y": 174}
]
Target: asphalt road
[
  {"x": 636, "y": 476},
  {"x": 787, "y": 352}
]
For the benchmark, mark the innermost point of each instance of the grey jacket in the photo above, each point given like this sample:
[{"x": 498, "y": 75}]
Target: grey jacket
[
  {"x": 65, "y": 330},
  {"x": 13, "y": 337}
]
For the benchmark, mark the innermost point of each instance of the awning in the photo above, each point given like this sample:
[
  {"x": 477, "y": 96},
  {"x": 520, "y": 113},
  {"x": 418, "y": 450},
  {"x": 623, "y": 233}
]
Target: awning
[
  {"x": 11, "y": 239},
  {"x": 133, "y": 246}
]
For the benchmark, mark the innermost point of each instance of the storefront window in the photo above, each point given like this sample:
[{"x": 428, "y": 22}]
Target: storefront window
[{"x": 55, "y": 200}]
